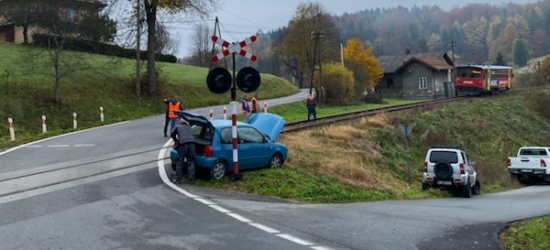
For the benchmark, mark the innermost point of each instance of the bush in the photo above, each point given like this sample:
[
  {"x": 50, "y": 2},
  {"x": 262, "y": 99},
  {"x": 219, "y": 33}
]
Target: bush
[
  {"x": 101, "y": 48},
  {"x": 338, "y": 83}
]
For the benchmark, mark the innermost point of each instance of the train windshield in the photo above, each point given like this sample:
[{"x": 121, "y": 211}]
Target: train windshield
[{"x": 468, "y": 72}]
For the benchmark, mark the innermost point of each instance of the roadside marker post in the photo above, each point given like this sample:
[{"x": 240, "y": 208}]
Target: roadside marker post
[
  {"x": 224, "y": 113},
  {"x": 44, "y": 126},
  {"x": 265, "y": 107},
  {"x": 101, "y": 116},
  {"x": 211, "y": 114},
  {"x": 12, "y": 130},
  {"x": 75, "y": 124}
]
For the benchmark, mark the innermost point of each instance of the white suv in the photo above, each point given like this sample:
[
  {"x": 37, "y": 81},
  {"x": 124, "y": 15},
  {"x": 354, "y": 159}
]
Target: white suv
[{"x": 448, "y": 167}]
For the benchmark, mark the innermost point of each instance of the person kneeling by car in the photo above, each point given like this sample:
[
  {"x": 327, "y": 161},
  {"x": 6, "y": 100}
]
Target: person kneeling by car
[{"x": 185, "y": 146}]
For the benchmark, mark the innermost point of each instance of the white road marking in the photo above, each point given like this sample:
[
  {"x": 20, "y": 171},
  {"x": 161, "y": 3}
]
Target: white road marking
[
  {"x": 34, "y": 146},
  {"x": 265, "y": 228},
  {"x": 213, "y": 205},
  {"x": 58, "y": 146},
  {"x": 240, "y": 218},
  {"x": 84, "y": 145},
  {"x": 295, "y": 240}
]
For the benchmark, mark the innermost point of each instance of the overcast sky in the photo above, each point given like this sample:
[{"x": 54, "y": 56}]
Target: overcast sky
[{"x": 242, "y": 18}]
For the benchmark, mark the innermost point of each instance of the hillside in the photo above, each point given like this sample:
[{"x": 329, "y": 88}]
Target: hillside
[
  {"x": 365, "y": 160},
  {"x": 26, "y": 90}
]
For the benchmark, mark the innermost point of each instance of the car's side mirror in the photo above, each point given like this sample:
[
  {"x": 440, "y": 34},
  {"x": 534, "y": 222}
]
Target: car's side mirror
[{"x": 267, "y": 138}]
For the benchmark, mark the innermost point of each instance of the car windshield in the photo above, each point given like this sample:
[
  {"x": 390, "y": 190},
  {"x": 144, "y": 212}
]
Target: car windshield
[{"x": 446, "y": 156}]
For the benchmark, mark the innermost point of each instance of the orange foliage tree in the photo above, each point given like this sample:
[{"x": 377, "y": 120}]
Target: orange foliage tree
[{"x": 364, "y": 65}]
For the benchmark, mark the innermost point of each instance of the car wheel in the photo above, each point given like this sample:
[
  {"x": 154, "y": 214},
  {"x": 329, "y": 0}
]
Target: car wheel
[
  {"x": 477, "y": 188},
  {"x": 467, "y": 190},
  {"x": 276, "y": 161},
  {"x": 218, "y": 170},
  {"x": 443, "y": 170}
]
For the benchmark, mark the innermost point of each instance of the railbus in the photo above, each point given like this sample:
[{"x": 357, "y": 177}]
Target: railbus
[{"x": 483, "y": 79}]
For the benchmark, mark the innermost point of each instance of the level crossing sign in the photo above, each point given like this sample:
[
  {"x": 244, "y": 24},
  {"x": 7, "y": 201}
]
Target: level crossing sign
[{"x": 234, "y": 48}]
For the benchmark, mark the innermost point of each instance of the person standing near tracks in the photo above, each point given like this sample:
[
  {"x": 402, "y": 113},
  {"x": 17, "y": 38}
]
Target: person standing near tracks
[
  {"x": 185, "y": 146},
  {"x": 255, "y": 104},
  {"x": 311, "y": 107},
  {"x": 245, "y": 108},
  {"x": 173, "y": 105}
]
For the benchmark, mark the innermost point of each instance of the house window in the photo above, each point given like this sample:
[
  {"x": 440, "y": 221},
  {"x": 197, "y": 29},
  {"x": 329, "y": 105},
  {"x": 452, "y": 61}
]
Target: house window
[
  {"x": 389, "y": 82},
  {"x": 423, "y": 82},
  {"x": 70, "y": 15}
]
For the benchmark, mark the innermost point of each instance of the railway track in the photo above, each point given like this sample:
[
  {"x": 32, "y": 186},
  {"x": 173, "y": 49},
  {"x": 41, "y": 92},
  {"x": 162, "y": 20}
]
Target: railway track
[{"x": 302, "y": 125}]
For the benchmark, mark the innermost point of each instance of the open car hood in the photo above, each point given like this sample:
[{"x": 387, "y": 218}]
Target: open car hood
[{"x": 269, "y": 124}]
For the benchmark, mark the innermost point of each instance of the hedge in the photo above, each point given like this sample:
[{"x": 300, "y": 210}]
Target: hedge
[{"x": 101, "y": 48}]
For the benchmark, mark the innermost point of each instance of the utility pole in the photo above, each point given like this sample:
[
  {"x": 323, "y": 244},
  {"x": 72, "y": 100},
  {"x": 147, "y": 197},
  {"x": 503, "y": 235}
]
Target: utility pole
[
  {"x": 138, "y": 55},
  {"x": 315, "y": 36},
  {"x": 453, "y": 44}
]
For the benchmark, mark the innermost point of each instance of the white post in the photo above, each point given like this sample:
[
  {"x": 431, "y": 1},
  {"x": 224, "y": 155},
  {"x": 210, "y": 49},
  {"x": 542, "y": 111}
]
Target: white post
[
  {"x": 234, "y": 136},
  {"x": 101, "y": 116},
  {"x": 12, "y": 130},
  {"x": 211, "y": 114},
  {"x": 44, "y": 126},
  {"x": 224, "y": 113},
  {"x": 265, "y": 107},
  {"x": 74, "y": 120}
]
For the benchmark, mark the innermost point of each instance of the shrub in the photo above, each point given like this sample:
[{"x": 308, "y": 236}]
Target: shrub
[{"x": 338, "y": 83}]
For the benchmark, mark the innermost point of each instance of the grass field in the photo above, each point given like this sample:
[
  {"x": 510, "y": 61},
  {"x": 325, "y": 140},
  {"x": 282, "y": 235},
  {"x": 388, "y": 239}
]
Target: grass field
[
  {"x": 26, "y": 81},
  {"x": 365, "y": 160},
  {"x": 531, "y": 234}
]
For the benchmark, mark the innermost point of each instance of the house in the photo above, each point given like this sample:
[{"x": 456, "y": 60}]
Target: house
[
  {"x": 18, "y": 17},
  {"x": 422, "y": 75}
]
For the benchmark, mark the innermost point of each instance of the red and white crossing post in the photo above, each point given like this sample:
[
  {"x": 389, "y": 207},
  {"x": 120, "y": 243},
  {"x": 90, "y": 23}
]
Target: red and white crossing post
[
  {"x": 44, "y": 126},
  {"x": 101, "y": 116},
  {"x": 224, "y": 113},
  {"x": 12, "y": 130},
  {"x": 75, "y": 124},
  {"x": 265, "y": 107},
  {"x": 211, "y": 114}
]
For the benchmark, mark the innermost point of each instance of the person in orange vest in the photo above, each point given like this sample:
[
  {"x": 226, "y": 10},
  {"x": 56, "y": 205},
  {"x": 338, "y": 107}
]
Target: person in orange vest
[
  {"x": 311, "y": 105},
  {"x": 173, "y": 105},
  {"x": 245, "y": 108},
  {"x": 255, "y": 104}
]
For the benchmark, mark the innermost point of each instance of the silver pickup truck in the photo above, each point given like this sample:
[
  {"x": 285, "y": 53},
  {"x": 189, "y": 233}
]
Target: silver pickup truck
[{"x": 531, "y": 163}]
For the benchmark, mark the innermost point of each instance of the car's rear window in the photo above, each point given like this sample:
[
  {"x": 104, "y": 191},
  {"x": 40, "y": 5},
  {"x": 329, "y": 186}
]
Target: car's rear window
[
  {"x": 445, "y": 156},
  {"x": 533, "y": 151}
]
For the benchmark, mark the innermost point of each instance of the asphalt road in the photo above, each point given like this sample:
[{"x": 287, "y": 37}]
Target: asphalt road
[{"x": 125, "y": 201}]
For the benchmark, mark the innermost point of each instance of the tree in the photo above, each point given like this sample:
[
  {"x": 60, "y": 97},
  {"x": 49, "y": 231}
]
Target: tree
[
  {"x": 434, "y": 43},
  {"x": 366, "y": 68},
  {"x": 298, "y": 47},
  {"x": 21, "y": 13},
  {"x": 151, "y": 8},
  {"x": 521, "y": 53},
  {"x": 97, "y": 28},
  {"x": 499, "y": 60},
  {"x": 201, "y": 45},
  {"x": 545, "y": 69}
]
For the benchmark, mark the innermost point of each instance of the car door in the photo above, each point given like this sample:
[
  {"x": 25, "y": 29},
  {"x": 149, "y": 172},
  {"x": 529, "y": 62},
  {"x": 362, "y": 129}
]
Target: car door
[
  {"x": 253, "y": 148},
  {"x": 468, "y": 168}
]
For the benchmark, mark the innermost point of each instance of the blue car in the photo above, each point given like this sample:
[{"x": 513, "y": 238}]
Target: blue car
[{"x": 256, "y": 143}]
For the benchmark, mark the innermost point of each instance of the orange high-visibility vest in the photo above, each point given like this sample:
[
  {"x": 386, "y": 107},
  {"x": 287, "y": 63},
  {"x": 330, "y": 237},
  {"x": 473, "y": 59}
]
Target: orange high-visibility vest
[
  {"x": 171, "y": 108},
  {"x": 257, "y": 106}
]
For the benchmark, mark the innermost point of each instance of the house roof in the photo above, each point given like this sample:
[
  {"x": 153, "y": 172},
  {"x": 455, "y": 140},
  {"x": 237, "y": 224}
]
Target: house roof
[
  {"x": 436, "y": 61},
  {"x": 95, "y": 2}
]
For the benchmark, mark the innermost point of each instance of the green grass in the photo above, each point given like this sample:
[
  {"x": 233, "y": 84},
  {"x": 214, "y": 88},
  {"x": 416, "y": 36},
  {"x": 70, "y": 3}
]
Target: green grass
[
  {"x": 531, "y": 234},
  {"x": 26, "y": 91},
  {"x": 489, "y": 129},
  {"x": 297, "y": 111}
]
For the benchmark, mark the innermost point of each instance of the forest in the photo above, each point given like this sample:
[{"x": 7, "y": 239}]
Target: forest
[{"x": 477, "y": 33}]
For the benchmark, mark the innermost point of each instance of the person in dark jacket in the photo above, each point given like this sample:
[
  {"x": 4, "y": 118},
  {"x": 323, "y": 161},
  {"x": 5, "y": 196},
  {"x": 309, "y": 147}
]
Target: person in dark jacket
[
  {"x": 185, "y": 146},
  {"x": 311, "y": 106}
]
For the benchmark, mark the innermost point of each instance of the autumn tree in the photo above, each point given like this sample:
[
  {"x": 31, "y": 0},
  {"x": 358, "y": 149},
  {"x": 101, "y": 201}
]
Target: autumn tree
[
  {"x": 434, "y": 43},
  {"x": 545, "y": 69},
  {"x": 366, "y": 68},
  {"x": 298, "y": 47}
]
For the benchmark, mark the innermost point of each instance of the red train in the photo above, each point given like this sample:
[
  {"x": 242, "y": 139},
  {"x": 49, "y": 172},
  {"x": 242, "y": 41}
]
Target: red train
[{"x": 483, "y": 79}]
